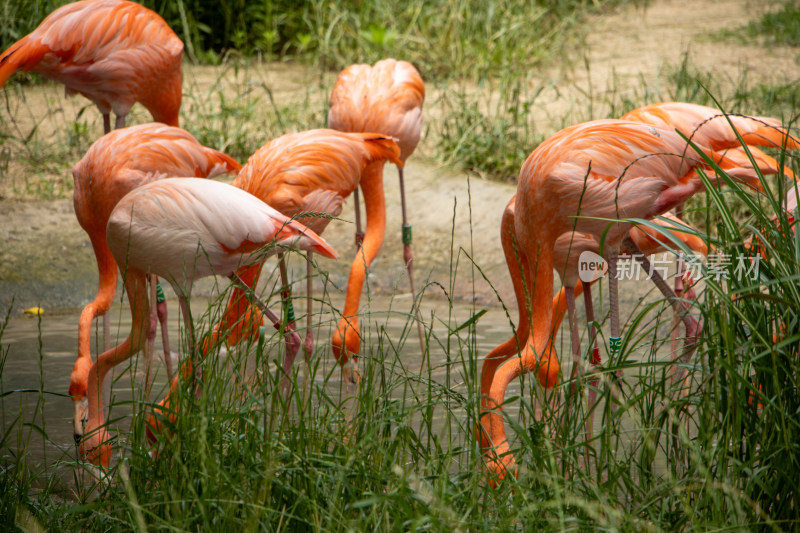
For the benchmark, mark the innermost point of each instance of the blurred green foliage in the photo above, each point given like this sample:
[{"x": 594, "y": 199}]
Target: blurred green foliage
[
  {"x": 442, "y": 37},
  {"x": 781, "y": 27}
]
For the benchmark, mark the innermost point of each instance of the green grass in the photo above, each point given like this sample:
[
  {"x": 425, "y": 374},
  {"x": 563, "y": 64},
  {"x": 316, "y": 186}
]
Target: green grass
[
  {"x": 400, "y": 454},
  {"x": 780, "y": 27}
]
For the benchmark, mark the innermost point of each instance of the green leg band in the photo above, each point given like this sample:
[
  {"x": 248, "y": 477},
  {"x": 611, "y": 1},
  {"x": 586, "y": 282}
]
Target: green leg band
[
  {"x": 615, "y": 345},
  {"x": 160, "y": 298},
  {"x": 289, "y": 312},
  {"x": 407, "y": 234}
]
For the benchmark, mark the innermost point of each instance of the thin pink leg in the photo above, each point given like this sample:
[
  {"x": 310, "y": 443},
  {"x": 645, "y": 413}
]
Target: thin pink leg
[
  {"x": 292, "y": 338},
  {"x": 693, "y": 327},
  {"x": 408, "y": 259}
]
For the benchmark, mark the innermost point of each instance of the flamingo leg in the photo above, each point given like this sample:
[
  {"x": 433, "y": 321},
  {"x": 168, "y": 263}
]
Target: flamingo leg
[
  {"x": 291, "y": 324},
  {"x": 106, "y": 123},
  {"x": 357, "y": 206},
  {"x": 151, "y": 335},
  {"x": 693, "y": 327},
  {"x": 408, "y": 259},
  {"x": 595, "y": 360},
  {"x": 120, "y": 122},
  {"x": 292, "y": 338},
  {"x": 308, "y": 344},
  {"x": 676, "y": 317},
  {"x": 678, "y": 290},
  {"x": 161, "y": 313},
  {"x": 569, "y": 293},
  {"x": 615, "y": 339},
  {"x": 187, "y": 321}
]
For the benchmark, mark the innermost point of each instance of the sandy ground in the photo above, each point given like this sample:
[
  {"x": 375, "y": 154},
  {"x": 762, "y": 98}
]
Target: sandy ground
[{"x": 46, "y": 259}]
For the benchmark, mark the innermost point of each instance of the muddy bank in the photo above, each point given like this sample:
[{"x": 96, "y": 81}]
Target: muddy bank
[{"x": 46, "y": 259}]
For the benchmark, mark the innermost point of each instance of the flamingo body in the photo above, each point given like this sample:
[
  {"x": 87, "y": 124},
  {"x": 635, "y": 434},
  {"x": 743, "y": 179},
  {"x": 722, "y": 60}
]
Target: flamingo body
[
  {"x": 113, "y": 52},
  {"x": 182, "y": 229},
  {"x": 385, "y": 98},
  {"x": 114, "y": 165}
]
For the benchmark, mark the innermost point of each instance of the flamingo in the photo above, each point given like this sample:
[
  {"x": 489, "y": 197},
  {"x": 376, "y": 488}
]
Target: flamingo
[
  {"x": 600, "y": 170},
  {"x": 568, "y": 249},
  {"x": 305, "y": 173},
  {"x": 113, "y": 52},
  {"x": 385, "y": 98},
  {"x": 709, "y": 127},
  {"x": 182, "y": 229},
  {"x": 113, "y": 166}
]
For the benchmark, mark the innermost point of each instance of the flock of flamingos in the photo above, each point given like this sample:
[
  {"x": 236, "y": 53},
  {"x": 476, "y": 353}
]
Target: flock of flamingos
[{"x": 140, "y": 196}]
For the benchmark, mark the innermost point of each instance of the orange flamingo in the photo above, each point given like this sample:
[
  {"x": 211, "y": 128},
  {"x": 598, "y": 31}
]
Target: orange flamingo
[
  {"x": 710, "y": 128},
  {"x": 567, "y": 251},
  {"x": 113, "y": 166},
  {"x": 385, "y": 98},
  {"x": 303, "y": 174},
  {"x": 113, "y": 52},
  {"x": 183, "y": 229},
  {"x": 598, "y": 170}
]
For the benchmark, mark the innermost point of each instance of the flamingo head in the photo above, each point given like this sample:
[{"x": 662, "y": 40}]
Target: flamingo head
[
  {"x": 500, "y": 466},
  {"x": 346, "y": 340},
  {"x": 77, "y": 391},
  {"x": 80, "y": 416}
]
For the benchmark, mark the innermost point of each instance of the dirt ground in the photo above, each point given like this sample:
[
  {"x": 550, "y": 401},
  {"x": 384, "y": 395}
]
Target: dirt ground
[{"x": 46, "y": 259}]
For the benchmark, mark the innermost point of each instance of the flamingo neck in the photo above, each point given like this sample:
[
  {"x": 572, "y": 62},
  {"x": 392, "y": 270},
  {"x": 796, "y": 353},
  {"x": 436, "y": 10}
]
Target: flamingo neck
[
  {"x": 107, "y": 289},
  {"x": 136, "y": 286},
  {"x": 540, "y": 340}
]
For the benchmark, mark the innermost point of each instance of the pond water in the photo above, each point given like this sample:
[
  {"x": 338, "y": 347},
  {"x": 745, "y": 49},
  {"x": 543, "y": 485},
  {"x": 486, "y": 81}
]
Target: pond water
[{"x": 39, "y": 353}]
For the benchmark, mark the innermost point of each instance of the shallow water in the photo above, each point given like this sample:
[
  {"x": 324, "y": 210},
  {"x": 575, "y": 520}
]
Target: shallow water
[{"x": 40, "y": 351}]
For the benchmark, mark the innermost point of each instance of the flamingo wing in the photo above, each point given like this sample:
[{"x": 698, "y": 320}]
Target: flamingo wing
[
  {"x": 386, "y": 98},
  {"x": 313, "y": 170},
  {"x": 187, "y": 228}
]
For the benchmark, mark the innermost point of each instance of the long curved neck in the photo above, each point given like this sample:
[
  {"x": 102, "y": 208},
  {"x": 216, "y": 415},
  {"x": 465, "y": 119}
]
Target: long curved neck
[
  {"x": 241, "y": 320},
  {"x": 372, "y": 187},
  {"x": 136, "y": 286},
  {"x": 517, "y": 263},
  {"x": 107, "y": 289},
  {"x": 540, "y": 286}
]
